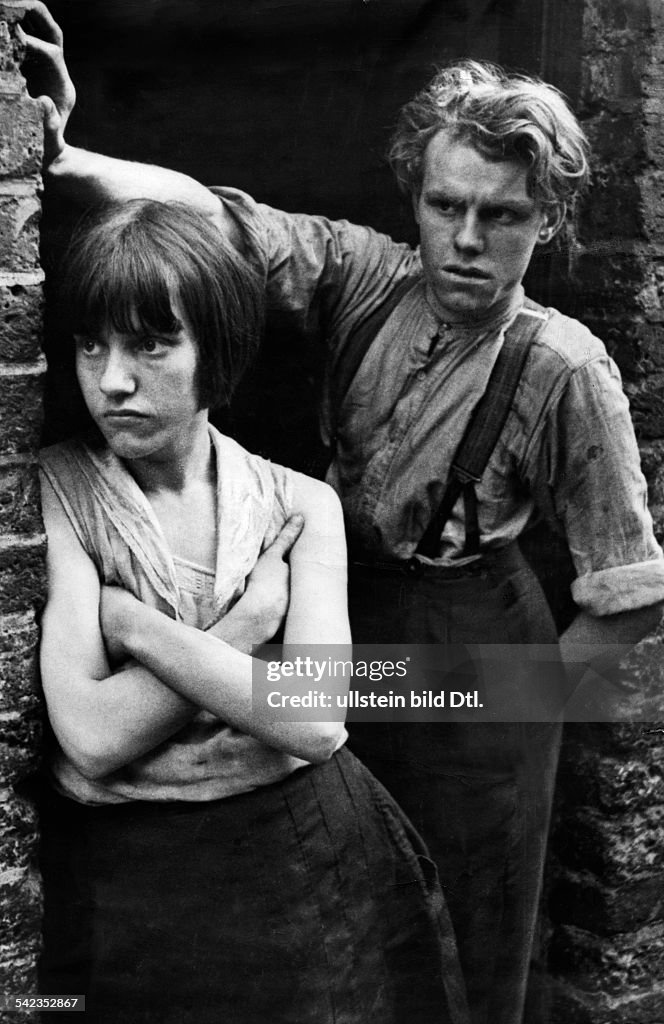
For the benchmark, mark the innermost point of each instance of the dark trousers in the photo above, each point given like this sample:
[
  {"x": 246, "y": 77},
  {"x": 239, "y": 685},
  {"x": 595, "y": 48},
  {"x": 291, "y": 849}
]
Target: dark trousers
[{"x": 480, "y": 794}]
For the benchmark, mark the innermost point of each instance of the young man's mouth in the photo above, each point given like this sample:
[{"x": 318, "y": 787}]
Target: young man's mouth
[{"x": 466, "y": 273}]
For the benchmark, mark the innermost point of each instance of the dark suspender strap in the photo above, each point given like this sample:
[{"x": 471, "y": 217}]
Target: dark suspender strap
[
  {"x": 481, "y": 436},
  {"x": 357, "y": 345},
  {"x": 471, "y": 521}
]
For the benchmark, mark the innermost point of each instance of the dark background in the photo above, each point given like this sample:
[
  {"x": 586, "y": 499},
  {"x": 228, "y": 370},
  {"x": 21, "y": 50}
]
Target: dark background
[{"x": 292, "y": 101}]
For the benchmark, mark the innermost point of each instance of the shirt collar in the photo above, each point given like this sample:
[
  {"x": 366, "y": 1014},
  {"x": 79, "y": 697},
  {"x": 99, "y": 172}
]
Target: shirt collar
[{"x": 499, "y": 315}]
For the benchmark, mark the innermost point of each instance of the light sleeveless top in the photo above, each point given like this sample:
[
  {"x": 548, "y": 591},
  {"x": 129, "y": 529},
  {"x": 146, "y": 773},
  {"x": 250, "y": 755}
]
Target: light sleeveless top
[{"x": 115, "y": 524}]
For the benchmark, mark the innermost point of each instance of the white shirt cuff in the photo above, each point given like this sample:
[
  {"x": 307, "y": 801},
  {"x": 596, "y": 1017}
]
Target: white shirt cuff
[{"x": 621, "y": 588}]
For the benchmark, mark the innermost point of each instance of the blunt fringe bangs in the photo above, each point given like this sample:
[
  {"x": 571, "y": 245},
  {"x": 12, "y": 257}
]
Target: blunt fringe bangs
[
  {"x": 506, "y": 117},
  {"x": 126, "y": 264}
]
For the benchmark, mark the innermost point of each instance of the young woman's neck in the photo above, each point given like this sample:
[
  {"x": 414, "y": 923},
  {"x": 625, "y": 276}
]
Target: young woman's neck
[{"x": 189, "y": 461}]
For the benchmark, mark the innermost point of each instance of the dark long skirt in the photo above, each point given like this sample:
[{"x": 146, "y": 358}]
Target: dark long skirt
[
  {"x": 480, "y": 794},
  {"x": 312, "y": 901}
]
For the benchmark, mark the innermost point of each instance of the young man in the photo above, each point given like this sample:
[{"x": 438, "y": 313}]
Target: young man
[{"x": 492, "y": 163}]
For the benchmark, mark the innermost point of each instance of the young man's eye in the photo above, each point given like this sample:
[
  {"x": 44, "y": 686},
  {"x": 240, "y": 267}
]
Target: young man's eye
[{"x": 501, "y": 215}]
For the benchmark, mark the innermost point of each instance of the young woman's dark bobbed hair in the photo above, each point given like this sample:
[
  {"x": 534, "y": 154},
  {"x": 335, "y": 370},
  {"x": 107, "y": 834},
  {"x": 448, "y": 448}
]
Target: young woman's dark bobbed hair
[{"x": 128, "y": 262}]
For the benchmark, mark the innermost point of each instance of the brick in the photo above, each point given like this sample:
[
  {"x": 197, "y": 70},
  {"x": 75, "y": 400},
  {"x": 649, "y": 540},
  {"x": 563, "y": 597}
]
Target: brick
[
  {"x": 20, "y": 900},
  {"x": 614, "y": 209},
  {"x": 22, "y": 583},
  {"x": 651, "y": 188},
  {"x": 647, "y": 406},
  {"x": 612, "y": 273},
  {"x": 9, "y": 50},
  {"x": 631, "y": 740},
  {"x": 656, "y": 497},
  {"x": 618, "y": 966},
  {"x": 646, "y": 336},
  {"x": 652, "y": 121},
  {"x": 613, "y": 78},
  {"x": 19, "y": 496},
  {"x": 21, "y": 137},
  {"x": 19, "y": 685},
  {"x": 617, "y": 848},
  {"x": 20, "y": 409},
  {"x": 652, "y": 457},
  {"x": 615, "y": 135},
  {"x": 614, "y": 784},
  {"x": 581, "y": 899},
  {"x": 630, "y": 696},
  {"x": 615, "y": 21},
  {"x": 20, "y": 895},
  {"x": 21, "y": 313},
  {"x": 9, "y": 14},
  {"x": 571, "y": 1005},
  {"x": 21, "y": 543},
  {"x": 19, "y": 231},
  {"x": 18, "y": 974},
  {"x": 18, "y": 830},
  {"x": 20, "y": 746}
]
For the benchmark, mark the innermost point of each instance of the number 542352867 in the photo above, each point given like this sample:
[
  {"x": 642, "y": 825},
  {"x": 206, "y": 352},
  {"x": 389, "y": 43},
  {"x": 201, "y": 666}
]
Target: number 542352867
[{"x": 18, "y": 1001}]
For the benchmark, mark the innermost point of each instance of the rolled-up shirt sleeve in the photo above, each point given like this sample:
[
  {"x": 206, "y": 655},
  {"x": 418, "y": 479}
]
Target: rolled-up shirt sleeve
[{"x": 590, "y": 466}]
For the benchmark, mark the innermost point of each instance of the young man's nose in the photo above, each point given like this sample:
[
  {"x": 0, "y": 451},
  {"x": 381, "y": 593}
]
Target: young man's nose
[
  {"x": 469, "y": 236},
  {"x": 117, "y": 376}
]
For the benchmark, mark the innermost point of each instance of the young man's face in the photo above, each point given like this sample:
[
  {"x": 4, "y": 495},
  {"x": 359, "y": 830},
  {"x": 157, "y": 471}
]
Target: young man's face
[{"x": 478, "y": 227}]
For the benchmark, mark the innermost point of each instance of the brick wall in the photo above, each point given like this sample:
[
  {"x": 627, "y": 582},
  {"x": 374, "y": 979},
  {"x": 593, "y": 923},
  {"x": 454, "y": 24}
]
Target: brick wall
[
  {"x": 607, "y": 895},
  {"x": 21, "y": 538}
]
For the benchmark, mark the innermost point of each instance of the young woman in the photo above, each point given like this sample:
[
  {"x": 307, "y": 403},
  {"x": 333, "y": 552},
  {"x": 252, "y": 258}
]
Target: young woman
[{"x": 202, "y": 861}]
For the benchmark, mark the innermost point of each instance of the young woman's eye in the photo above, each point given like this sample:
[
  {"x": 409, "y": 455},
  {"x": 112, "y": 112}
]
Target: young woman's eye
[
  {"x": 86, "y": 344},
  {"x": 148, "y": 344}
]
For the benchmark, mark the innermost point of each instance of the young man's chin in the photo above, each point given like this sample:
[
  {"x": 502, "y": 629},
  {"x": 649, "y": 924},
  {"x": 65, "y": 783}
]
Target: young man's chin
[{"x": 469, "y": 302}]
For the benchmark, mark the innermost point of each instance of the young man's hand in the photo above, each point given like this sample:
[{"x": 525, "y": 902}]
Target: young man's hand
[{"x": 46, "y": 72}]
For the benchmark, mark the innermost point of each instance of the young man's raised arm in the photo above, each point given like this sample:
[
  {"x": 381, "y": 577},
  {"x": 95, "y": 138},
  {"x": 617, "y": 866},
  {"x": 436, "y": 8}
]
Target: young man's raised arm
[{"x": 91, "y": 178}]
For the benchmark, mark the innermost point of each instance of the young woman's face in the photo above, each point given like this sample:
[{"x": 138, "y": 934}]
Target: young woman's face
[{"x": 140, "y": 388}]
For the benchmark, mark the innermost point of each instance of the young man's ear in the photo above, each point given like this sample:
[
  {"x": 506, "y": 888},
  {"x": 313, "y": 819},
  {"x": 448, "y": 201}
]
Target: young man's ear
[{"x": 552, "y": 220}]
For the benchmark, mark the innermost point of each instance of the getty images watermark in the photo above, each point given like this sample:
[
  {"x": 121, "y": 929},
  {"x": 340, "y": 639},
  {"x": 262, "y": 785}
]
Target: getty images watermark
[{"x": 454, "y": 683}]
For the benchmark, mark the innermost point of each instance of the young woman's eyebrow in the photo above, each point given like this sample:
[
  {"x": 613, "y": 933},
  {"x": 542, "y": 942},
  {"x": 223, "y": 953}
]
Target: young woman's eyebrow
[{"x": 173, "y": 328}]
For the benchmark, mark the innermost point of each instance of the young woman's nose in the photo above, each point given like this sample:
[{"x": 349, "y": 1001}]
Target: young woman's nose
[
  {"x": 469, "y": 236},
  {"x": 117, "y": 376}
]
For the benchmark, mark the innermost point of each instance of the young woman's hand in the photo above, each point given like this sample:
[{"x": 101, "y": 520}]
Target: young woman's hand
[
  {"x": 261, "y": 610},
  {"x": 251, "y": 622},
  {"x": 268, "y": 584},
  {"x": 116, "y": 612}
]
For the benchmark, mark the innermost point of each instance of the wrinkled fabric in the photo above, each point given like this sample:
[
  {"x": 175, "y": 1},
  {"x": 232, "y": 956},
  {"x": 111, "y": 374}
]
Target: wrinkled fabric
[
  {"x": 303, "y": 897},
  {"x": 207, "y": 759},
  {"x": 479, "y": 793},
  {"x": 118, "y": 529},
  {"x": 310, "y": 902},
  {"x": 567, "y": 451}
]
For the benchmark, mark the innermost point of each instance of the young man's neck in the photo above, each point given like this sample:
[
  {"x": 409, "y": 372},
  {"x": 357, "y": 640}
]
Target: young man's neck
[{"x": 501, "y": 311}]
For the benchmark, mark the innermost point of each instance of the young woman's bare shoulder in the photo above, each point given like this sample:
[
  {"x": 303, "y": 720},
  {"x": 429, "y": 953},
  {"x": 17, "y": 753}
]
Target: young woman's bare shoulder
[{"x": 314, "y": 496}]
